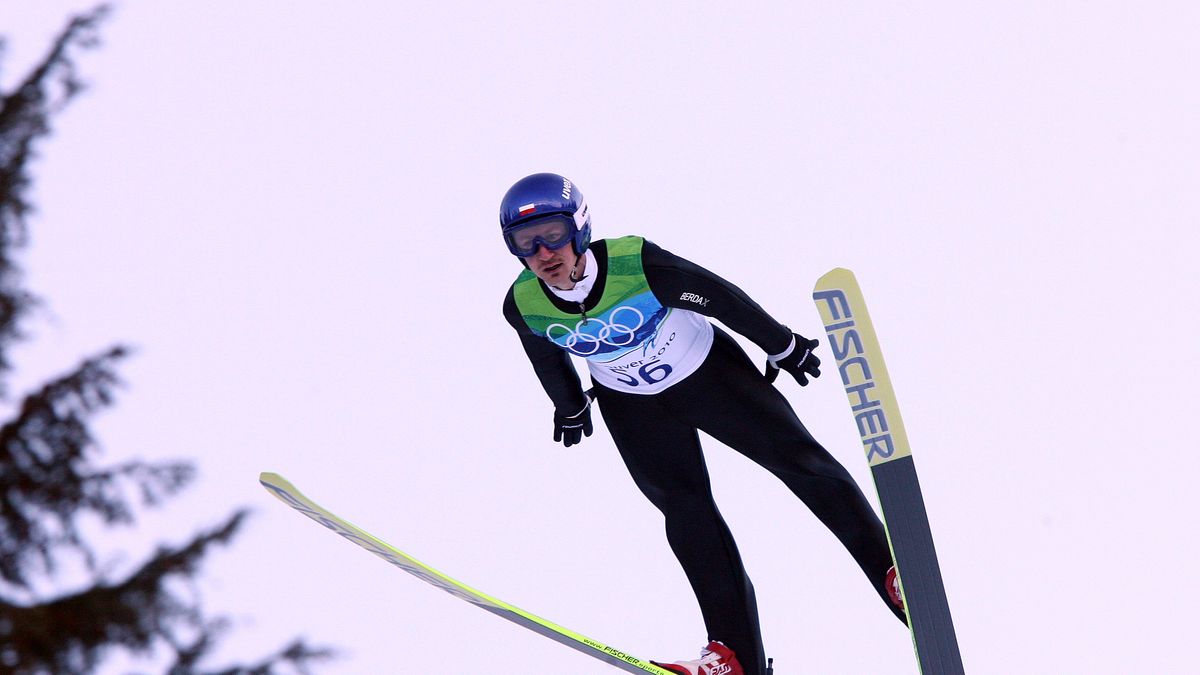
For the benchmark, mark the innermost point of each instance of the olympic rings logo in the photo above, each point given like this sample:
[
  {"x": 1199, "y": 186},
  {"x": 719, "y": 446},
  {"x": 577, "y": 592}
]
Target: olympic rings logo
[{"x": 612, "y": 332}]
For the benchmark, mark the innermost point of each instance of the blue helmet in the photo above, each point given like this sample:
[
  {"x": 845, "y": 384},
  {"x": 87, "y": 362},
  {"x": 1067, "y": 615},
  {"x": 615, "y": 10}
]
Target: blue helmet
[{"x": 544, "y": 198}]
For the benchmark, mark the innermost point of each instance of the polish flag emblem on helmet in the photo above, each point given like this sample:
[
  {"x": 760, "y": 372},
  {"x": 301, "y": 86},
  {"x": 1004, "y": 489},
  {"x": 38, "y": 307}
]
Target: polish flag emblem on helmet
[{"x": 527, "y": 209}]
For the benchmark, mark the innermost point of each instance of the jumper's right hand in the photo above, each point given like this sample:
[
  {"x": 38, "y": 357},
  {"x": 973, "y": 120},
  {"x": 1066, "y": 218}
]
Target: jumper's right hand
[{"x": 570, "y": 429}]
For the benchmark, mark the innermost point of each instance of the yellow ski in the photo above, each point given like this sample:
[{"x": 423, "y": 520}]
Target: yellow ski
[
  {"x": 877, "y": 416},
  {"x": 286, "y": 492}
]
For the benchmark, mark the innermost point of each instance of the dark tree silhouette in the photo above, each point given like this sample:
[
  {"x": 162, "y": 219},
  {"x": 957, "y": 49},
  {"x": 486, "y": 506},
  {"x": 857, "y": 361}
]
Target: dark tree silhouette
[{"x": 49, "y": 477}]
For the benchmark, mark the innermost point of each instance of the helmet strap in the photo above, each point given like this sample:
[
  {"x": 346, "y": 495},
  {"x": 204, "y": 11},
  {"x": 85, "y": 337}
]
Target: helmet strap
[{"x": 575, "y": 267}]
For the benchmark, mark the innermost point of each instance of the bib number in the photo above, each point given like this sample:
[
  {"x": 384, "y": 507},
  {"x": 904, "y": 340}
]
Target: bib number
[{"x": 651, "y": 373}]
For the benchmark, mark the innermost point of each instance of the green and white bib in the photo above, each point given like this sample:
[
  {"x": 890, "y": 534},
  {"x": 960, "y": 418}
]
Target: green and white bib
[{"x": 631, "y": 342}]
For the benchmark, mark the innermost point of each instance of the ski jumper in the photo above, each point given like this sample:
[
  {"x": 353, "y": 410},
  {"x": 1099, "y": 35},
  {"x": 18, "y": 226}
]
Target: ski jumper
[{"x": 661, "y": 373}]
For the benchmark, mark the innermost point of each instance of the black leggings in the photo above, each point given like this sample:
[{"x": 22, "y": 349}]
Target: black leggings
[{"x": 729, "y": 399}]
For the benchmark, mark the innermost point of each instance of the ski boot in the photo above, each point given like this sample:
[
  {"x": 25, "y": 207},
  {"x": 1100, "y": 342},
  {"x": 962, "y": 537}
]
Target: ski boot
[
  {"x": 892, "y": 584},
  {"x": 715, "y": 659}
]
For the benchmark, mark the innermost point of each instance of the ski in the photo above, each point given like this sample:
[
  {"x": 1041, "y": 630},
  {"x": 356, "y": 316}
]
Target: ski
[
  {"x": 288, "y": 493},
  {"x": 877, "y": 416}
]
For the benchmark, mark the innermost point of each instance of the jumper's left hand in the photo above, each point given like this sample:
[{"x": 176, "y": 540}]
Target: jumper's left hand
[{"x": 801, "y": 362}]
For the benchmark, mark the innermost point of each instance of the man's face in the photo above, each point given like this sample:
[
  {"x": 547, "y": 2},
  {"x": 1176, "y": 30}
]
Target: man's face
[
  {"x": 551, "y": 265},
  {"x": 554, "y": 266}
]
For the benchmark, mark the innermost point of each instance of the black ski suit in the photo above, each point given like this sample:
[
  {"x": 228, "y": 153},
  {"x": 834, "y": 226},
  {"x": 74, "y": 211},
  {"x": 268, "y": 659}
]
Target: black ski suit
[{"x": 729, "y": 399}]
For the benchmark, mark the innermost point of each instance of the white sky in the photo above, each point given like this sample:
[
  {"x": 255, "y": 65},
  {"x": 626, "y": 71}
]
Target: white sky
[{"x": 290, "y": 209}]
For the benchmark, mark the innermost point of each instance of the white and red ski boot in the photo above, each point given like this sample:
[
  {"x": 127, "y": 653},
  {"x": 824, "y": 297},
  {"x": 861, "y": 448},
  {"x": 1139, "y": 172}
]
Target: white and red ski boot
[
  {"x": 892, "y": 584},
  {"x": 715, "y": 659}
]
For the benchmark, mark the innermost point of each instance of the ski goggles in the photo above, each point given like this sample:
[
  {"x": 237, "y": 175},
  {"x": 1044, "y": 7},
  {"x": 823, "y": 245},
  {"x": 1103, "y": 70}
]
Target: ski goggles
[{"x": 553, "y": 232}]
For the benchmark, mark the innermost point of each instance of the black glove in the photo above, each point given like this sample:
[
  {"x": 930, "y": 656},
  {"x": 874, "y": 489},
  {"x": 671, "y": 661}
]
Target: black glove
[
  {"x": 570, "y": 429},
  {"x": 801, "y": 362}
]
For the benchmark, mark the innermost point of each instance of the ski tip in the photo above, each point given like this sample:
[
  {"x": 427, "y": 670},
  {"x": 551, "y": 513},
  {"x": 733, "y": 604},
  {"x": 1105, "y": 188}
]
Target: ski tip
[
  {"x": 277, "y": 485},
  {"x": 833, "y": 277}
]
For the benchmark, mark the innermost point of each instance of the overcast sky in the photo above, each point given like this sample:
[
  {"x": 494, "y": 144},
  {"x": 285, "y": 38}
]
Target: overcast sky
[{"x": 289, "y": 209}]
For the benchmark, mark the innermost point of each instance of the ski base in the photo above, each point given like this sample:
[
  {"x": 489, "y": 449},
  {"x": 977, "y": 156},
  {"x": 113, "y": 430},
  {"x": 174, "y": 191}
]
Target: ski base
[{"x": 921, "y": 577}]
